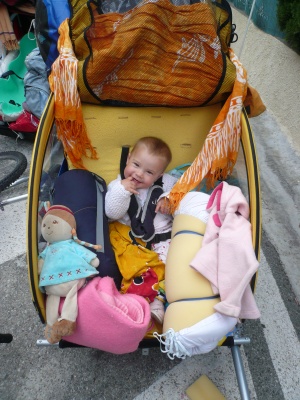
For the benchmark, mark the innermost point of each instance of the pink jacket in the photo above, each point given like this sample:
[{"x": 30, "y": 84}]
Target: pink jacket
[{"x": 227, "y": 258}]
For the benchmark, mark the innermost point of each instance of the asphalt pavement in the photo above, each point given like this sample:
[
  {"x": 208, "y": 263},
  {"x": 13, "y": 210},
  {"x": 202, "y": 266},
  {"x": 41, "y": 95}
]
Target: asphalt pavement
[{"x": 271, "y": 361}]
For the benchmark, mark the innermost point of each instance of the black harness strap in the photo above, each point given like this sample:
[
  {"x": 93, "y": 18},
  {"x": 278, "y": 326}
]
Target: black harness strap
[{"x": 123, "y": 159}]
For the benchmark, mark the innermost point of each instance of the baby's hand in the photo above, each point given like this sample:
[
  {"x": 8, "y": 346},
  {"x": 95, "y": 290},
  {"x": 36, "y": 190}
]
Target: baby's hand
[
  {"x": 129, "y": 185},
  {"x": 163, "y": 206}
]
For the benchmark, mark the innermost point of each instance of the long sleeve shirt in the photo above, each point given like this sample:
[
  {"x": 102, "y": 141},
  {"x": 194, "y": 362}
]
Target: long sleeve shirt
[{"x": 117, "y": 202}]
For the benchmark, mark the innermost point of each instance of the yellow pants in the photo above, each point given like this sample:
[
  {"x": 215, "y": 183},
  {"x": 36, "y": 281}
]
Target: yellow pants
[{"x": 141, "y": 268}]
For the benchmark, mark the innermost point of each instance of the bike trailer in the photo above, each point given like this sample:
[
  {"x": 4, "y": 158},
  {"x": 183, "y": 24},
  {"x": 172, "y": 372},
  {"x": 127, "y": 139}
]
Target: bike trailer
[{"x": 111, "y": 125}]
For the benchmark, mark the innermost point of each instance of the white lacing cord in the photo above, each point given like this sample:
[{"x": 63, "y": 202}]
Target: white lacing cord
[
  {"x": 32, "y": 26},
  {"x": 172, "y": 346}
]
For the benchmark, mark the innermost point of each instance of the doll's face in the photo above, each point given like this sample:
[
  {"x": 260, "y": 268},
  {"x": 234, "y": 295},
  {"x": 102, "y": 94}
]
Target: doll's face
[{"x": 55, "y": 229}]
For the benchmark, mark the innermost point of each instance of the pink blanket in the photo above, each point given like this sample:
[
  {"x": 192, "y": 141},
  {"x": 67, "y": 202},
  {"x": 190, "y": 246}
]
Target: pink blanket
[{"x": 108, "y": 320}]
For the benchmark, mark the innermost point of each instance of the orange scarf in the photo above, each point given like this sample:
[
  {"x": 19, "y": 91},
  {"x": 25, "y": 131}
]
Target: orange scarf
[
  {"x": 71, "y": 129},
  {"x": 220, "y": 149}
]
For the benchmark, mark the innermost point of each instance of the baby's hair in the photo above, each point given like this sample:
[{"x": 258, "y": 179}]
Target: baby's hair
[{"x": 156, "y": 147}]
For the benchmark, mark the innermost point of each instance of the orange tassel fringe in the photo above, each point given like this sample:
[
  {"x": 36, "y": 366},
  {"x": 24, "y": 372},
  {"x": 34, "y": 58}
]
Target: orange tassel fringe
[
  {"x": 71, "y": 129},
  {"x": 220, "y": 149}
]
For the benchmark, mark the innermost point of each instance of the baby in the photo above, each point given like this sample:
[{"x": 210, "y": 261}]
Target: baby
[{"x": 138, "y": 199}]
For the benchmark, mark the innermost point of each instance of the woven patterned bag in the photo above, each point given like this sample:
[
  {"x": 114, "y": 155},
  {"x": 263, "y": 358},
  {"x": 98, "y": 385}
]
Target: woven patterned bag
[{"x": 154, "y": 54}]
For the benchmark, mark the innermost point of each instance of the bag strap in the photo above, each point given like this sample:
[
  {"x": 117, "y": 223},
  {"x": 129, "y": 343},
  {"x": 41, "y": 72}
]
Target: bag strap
[{"x": 100, "y": 210}]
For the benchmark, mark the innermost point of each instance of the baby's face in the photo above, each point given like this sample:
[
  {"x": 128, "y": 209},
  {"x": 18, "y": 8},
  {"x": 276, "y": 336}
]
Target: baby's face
[{"x": 144, "y": 168}]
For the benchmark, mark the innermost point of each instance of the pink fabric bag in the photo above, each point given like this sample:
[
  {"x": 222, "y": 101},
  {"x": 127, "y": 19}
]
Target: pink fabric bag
[{"x": 108, "y": 320}]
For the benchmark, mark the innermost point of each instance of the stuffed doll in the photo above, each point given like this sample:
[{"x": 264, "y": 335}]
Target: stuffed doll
[{"x": 63, "y": 267}]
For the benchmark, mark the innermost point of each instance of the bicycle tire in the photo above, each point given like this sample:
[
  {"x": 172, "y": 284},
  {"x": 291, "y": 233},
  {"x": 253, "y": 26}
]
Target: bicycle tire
[{"x": 12, "y": 166}]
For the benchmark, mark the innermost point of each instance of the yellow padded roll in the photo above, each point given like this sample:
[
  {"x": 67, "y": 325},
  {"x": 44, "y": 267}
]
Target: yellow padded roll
[
  {"x": 187, "y": 222},
  {"x": 183, "y": 314},
  {"x": 185, "y": 287},
  {"x": 182, "y": 281}
]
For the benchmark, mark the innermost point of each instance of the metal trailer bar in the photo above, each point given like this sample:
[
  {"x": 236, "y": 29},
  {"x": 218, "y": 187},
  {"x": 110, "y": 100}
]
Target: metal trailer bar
[
  {"x": 17, "y": 198},
  {"x": 239, "y": 368},
  {"x": 13, "y": 200}
]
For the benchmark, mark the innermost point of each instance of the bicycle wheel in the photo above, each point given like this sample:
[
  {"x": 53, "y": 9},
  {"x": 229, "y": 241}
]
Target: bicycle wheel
[{"x": 12, "y": 166}]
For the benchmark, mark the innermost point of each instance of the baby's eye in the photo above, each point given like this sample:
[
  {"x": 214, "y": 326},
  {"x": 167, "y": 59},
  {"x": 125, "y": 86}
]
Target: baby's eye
[
  {"x": 135, "y": 164},
  {"x": 55, "y": 222},
  {"x": 150, "y": 172}
]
